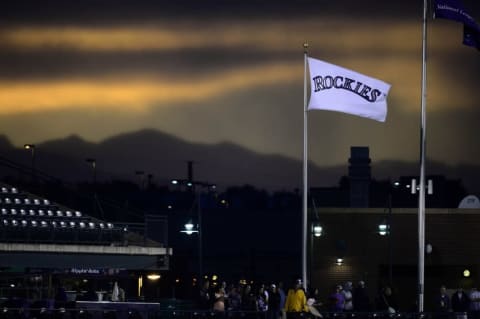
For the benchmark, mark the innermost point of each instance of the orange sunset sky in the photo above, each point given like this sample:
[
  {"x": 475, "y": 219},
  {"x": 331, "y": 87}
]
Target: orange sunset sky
[{"x": 233, "y": 71}]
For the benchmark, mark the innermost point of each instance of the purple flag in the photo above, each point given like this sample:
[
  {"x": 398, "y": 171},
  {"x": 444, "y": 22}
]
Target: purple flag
[
  {"x": 471, "y": 36},
  {"x": 454, "y": 10}
]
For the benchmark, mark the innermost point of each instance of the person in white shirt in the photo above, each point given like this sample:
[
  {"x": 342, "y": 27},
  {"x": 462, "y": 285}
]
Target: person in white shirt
[
  {"x": 475, "y": 303},
  {"x": 347, "y": 293}
]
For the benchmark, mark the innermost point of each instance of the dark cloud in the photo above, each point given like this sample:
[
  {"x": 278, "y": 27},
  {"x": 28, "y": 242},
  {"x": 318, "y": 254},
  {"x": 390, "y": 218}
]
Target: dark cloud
[
  {"x": 379, "y": 38},
  {"x": 57, "y": 64},
  {"x": 101, "y": 12}
]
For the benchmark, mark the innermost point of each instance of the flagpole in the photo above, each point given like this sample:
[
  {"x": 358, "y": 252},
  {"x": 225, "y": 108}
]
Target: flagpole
[
  {"x": 305, "y": 169},
  {"x": 421, "y": 199}
]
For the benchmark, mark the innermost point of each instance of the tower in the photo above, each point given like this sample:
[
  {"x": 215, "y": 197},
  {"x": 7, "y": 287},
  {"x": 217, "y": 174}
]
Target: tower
[{"x": 359, "y": 174}]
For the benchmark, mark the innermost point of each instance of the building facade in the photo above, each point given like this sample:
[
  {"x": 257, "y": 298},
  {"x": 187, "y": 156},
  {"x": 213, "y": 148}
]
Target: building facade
[{"x": 352, "y": 234}]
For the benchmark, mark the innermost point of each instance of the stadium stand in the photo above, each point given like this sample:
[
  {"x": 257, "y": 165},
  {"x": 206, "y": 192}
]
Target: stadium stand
[{"x": 29, "y": 218}]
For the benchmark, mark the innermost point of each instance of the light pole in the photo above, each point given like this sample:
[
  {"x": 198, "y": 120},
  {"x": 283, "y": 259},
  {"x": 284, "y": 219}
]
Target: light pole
[
  {"x": 315, "y": 232},
  {"x": 390, "y": 247},
  {"x": 189, "y": 227},
  {"x": 385, "y": 229},
  {"x": 31, "y": 148},
  {"x": 149, "y": 180},
  {"x": 421, "y": 220},
  {"x": 93, "y": 164},
  {"x": 141, "y": 176}
]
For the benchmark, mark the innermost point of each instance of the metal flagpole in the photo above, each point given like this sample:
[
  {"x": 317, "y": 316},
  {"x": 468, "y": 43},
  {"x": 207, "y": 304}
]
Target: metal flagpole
[
  {"x": 305, "y": 170},
  {"x": 421, "y": 198}
]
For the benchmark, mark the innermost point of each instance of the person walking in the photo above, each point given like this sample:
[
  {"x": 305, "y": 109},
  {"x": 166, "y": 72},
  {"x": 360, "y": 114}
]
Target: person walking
[
  {"x": 348, "y": 296},
  {"x": 337, "y": 300},
  {"x": 296, "y": 302},
  {"x": 442, "y": 301},
  {"x": 283, "y": 297},
  {"x": 361, "y": 302},
  {"x": 475, "y": 303},
  {"x": 273, "y": 302},
  {"x": 460, "y": 304},
  {"x": 386, "y": 301},
  {"x": 460, "y": 301},
  {"x": 205, "y": 301}
]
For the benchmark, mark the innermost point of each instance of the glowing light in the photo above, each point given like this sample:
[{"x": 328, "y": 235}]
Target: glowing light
[
  {"x": 317, "y": 230},
  {"x": 189, "y": 229},
  {"x": 383, "y": 229},
  {"x": 139, "y": 286},
  {"x": 153, "y": 277}
]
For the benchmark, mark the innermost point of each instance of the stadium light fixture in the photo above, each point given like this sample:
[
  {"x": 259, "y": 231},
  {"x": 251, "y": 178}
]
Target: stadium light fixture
[
  {"x": 383, "y": 229},
  {"x": 153, "y": 277},
  {"x": 189, "y": 228},
  {"x": 317, "y": 230}
]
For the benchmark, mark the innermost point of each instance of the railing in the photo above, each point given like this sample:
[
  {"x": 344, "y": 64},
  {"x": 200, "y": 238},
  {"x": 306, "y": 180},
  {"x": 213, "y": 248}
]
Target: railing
[{"x": 131, "y": 313}]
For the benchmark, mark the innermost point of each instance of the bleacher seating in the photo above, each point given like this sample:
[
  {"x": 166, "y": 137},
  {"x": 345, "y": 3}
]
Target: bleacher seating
[{"x": 29, "y": 218}]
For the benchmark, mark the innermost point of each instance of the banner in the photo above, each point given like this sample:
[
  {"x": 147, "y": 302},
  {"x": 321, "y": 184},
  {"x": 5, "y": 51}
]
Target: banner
[{"x": 454, "y": 10}]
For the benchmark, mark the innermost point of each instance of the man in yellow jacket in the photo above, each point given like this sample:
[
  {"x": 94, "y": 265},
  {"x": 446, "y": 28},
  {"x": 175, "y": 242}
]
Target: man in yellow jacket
[{"x": 296, "y": 302}]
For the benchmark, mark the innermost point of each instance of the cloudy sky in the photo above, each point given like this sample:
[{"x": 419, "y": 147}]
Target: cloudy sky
[{"x": 230, "y": 70}]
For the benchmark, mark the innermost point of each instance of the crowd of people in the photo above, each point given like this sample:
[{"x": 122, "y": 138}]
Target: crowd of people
[
  {"x": 459, "y": 302},
  {"x": 276, "y": 302}
]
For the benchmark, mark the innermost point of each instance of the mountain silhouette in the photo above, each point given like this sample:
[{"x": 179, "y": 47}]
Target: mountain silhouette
[
  {"x": 225, "y": 164},
  {"x": 166, "y": 157},
  {"x": 5, "y": 143}
]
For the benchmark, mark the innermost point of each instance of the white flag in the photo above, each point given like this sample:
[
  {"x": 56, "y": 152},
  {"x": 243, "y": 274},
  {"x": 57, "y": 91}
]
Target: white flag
[{"x": 338, "y": 89}]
